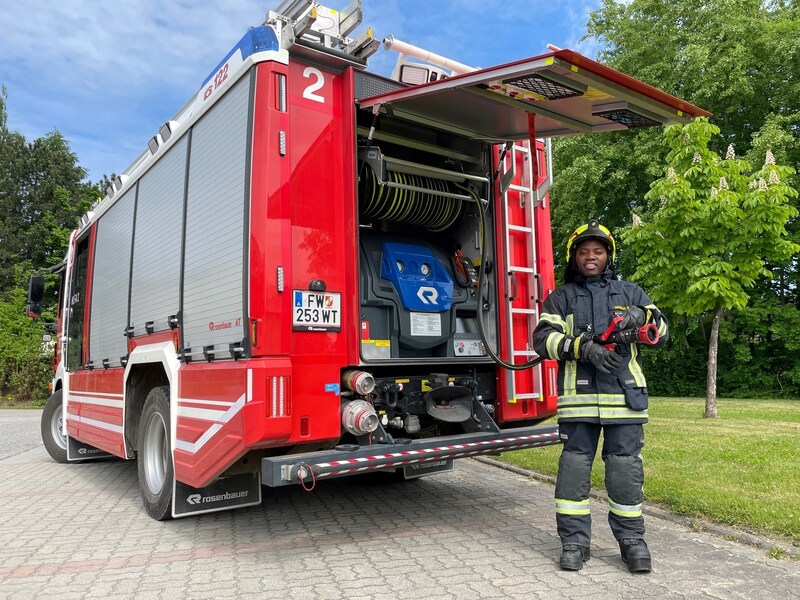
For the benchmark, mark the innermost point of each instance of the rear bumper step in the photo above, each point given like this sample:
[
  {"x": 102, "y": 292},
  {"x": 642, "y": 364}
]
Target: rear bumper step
[{"x": 311, "y": 466}]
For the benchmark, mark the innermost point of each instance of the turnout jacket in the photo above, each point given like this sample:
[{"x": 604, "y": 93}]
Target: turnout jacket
[{"x": 589, "y": 305}]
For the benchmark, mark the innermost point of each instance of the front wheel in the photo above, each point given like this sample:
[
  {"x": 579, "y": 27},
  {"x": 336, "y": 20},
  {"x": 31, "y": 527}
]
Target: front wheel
[
  {"x": 55, "y": 442},
  {"x": 156, "y": 472}
]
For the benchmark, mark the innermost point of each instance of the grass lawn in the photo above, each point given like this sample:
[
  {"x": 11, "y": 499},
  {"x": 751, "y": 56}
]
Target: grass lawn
[{"x": 742, "y": 469}]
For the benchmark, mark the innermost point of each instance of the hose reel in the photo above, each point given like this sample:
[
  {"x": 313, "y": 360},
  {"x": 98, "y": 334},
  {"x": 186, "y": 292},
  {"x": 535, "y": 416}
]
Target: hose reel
[{"x": 401, "y": 191}]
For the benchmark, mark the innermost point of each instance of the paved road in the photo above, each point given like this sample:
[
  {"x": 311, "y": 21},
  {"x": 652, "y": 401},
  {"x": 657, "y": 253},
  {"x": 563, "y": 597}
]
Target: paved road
[
  {"x": 19, "y": 431},
  {"x": 78, "y": 531}
]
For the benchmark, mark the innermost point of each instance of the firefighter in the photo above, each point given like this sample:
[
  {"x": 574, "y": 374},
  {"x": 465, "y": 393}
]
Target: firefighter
[{"x": 599, "y": 389}]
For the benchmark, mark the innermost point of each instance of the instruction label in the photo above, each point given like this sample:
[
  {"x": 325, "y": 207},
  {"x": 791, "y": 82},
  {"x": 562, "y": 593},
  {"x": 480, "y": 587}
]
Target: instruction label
[{"x": 426, "y": 324}]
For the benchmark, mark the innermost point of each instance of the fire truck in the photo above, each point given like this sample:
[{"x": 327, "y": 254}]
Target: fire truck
[{"x": 315, "y": 271}]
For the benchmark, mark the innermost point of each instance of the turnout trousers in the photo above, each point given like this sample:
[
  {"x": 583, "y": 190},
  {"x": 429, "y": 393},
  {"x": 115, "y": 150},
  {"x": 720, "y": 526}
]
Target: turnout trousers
[{"x": 622, "y": 445}]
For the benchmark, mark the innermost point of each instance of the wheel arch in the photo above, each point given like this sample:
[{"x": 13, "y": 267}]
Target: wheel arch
[
  {"x": 149, "y": 366},
  {"x": 58, "y": 376}
]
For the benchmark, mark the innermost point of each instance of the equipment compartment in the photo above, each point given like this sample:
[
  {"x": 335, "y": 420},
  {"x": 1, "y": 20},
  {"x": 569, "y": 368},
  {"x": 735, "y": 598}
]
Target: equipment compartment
[{"x": 421, "y": 193}]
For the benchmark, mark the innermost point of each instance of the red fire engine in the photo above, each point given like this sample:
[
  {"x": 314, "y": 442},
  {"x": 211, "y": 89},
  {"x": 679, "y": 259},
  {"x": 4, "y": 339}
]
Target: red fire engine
[{"x": 314, "y": 271}]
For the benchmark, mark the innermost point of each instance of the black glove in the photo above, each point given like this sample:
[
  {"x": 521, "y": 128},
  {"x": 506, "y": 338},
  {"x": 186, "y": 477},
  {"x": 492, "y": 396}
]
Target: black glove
[
  {"x": 604, "y": 360},
  {"x": 632, "y": 318}
]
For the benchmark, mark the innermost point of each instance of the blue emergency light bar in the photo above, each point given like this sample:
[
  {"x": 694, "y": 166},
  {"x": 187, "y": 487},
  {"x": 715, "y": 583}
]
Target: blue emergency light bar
[{"x": 258, "y": 39}]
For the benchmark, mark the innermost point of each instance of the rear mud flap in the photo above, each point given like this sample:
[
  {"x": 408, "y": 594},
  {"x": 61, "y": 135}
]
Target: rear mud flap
[
  {"x": 418, "y": 470},
  {"x": 235, "y": 491},
  {"x": 77, "y": 451}
]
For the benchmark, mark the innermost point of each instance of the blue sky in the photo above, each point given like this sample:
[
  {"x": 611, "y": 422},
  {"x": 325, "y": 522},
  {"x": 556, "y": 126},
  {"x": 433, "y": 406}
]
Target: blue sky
[{"x": 108, "y": 73}]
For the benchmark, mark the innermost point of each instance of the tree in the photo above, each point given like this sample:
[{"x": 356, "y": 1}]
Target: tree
[
  {"x": 781, "y": 135},
  {"x": 739, "y": 59},
  {"x": 603, "y": 176},
  {"x": 25, "y": 364},
  {"x": 42, "y": 196},
  {"x": 714, "y": 230}
]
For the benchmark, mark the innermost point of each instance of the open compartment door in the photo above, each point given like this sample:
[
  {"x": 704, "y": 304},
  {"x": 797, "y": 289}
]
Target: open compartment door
[{"x": 569, "y": 94}]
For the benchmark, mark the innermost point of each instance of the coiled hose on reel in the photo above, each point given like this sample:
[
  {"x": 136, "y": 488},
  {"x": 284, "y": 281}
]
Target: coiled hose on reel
[{"x": 429, "y": 210}]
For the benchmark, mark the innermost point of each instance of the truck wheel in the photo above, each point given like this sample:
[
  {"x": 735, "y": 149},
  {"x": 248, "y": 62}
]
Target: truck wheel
[
  {"x": 55, "y": 442},
  {"x": 156, "y": 472}
]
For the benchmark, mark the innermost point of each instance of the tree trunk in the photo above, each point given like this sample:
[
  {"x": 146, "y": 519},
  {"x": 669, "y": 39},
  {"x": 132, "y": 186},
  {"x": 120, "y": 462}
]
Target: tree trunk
[
  {"x": 711, "y": 379},
  {"x": 685, "y": 321}
]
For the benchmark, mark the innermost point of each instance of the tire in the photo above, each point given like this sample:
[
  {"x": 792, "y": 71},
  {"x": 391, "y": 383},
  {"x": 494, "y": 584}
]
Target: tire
[
  {"x": 55, "y": 442},
  {"x": 154, "y": 460}
]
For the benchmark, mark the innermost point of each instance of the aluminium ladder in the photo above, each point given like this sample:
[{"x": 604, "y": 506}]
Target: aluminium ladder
[{"x": 519, "y": 199}]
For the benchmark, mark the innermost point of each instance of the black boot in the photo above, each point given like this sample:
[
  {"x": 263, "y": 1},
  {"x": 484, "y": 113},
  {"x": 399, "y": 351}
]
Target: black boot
[
  {"x": 573, "y": 557},
  {"x": 636, "y": 555}
]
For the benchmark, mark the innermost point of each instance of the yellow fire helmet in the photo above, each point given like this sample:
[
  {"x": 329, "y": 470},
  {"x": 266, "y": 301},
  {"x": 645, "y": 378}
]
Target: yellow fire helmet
[{"x": 592, "y": 230}]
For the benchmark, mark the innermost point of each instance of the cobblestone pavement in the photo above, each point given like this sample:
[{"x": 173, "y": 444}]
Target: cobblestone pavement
[{"x": 79, "y": 531}]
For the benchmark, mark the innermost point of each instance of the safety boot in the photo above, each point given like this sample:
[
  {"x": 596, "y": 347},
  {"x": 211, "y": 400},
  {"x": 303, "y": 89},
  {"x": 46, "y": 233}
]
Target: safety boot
[
  {"x": 573, "y": 557},
  {"x": 636, "y": 555}
]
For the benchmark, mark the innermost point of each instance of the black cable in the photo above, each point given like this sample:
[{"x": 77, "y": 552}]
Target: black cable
[
  {"x": 481, "y": 274},
  {"x": 369, "y": 143}
]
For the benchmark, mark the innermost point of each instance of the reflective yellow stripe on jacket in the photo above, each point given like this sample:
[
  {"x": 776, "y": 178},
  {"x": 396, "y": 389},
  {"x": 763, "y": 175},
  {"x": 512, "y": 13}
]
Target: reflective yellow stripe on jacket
[
  {"x": 662, "y": 324},
  {"x": 570, "y": 366},
  {"x": 635, "y": 369},
  {"x": 555, "y": 338}
]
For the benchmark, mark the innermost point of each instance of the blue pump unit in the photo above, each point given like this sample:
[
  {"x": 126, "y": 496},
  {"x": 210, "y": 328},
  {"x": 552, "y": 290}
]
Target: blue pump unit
[{"x": 421, "y": 281}]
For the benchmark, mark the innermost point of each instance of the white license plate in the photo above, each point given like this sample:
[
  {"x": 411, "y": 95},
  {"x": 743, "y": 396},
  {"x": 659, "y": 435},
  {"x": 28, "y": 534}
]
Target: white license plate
[{"x": 316, "y": 311}]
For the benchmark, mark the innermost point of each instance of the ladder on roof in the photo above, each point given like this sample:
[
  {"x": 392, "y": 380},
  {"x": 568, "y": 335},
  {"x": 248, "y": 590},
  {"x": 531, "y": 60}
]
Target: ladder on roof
[
  {"x": 324, "y": 27},
  {"x": 519, "y": 200}
]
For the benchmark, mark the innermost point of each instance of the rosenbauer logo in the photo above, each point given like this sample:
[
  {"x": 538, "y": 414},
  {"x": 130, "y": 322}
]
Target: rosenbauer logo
[
  {"x": 199, "y": 499},
  {"x": 428, "y": 295},
  {"x": 212, "y": 326},
  {"x": 429, "y": 465},
  {"x": 88, "y": 451}
]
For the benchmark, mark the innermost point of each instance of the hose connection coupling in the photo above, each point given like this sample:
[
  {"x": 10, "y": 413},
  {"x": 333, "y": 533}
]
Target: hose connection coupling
[
  {"x": 359, "y": 417},
  {"x": 360, "y": 382}
]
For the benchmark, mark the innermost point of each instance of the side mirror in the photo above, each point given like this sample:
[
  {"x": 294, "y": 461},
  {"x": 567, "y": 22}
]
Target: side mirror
[
  {"x": 35, "y": 296},
  {"x": 36, "y": 289}
]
